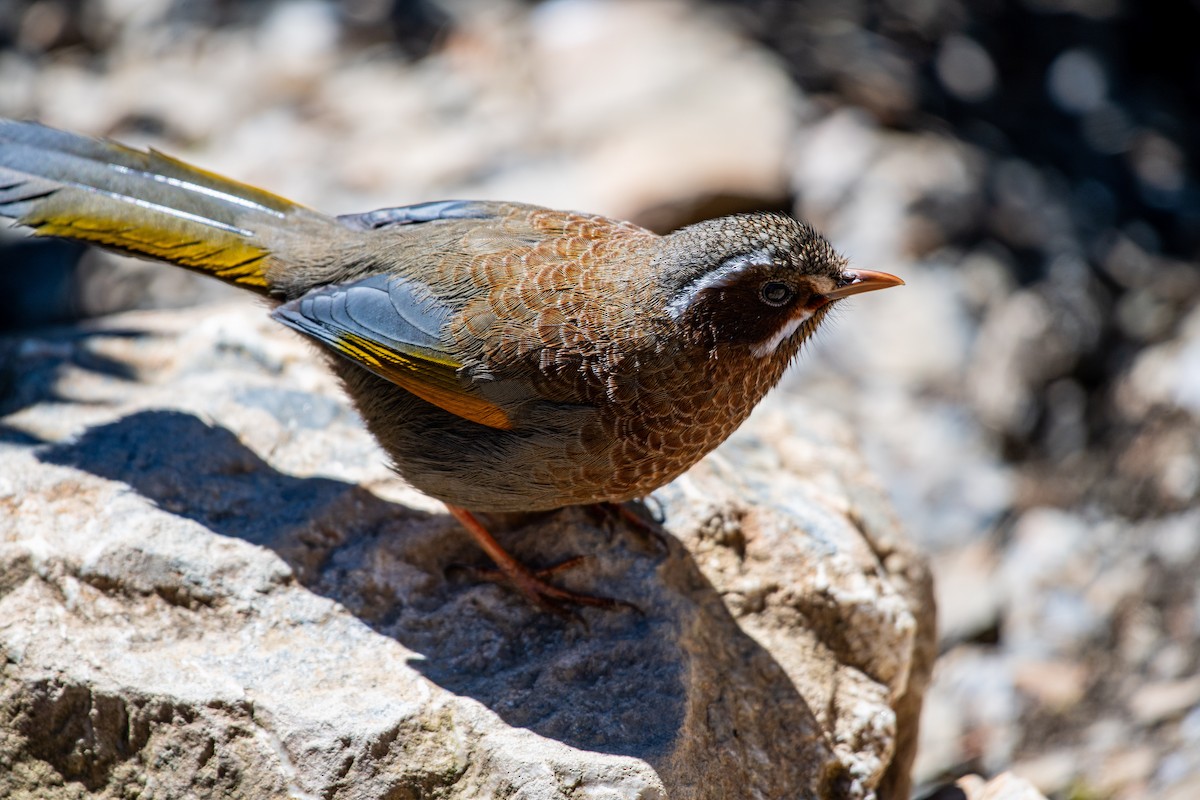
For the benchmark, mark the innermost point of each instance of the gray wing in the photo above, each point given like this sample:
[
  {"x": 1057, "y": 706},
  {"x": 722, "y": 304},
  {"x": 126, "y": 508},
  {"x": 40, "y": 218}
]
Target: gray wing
[
  {"x": 397, "y": 330},
  {"x": 420, "y": 212}
]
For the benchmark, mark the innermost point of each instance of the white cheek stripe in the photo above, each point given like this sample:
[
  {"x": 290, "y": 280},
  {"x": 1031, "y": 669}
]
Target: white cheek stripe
[{"x": 766, "y": 348}]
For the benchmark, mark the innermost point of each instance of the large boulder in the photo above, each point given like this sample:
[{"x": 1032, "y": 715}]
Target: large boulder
[{"x": 211, "y": 585}]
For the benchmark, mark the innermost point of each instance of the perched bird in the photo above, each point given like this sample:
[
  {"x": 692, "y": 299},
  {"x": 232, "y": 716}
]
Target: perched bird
[{"x": 507, "y": 357}]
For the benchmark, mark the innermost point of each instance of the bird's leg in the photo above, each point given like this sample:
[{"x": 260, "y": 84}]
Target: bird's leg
[{"x": 527, "y": 581}]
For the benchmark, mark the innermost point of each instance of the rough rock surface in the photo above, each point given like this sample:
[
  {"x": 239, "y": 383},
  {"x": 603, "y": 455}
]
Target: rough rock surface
[{"x": 211, "y": 585}]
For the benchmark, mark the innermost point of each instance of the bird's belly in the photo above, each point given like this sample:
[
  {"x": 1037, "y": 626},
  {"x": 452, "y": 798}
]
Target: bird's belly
[{"x": 559, "y": 458}]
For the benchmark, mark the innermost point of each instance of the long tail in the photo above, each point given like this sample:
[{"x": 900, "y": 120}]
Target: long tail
[{"x": 147, "y": 204}]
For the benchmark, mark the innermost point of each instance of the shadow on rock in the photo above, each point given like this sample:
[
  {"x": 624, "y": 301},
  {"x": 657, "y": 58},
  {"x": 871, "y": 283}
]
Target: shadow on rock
[
  {"x": 647, "y": 685},
  {"x": 31, "y": 375},
  {"x": 200, "y": 472}
]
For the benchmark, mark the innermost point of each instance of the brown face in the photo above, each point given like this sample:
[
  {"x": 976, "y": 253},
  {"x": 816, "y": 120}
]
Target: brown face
[
  {"x": 752, "y": 301},
  {"x": 775, "y": 282}
]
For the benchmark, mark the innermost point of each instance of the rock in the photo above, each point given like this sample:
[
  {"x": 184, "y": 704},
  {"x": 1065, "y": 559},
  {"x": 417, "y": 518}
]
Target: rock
[
  {"x": 1154, "y": 702},
  {"x": 969, "y": 599},
  {"x": 1055, "y": 772},
  {"x": 1127, "y": 773},
  {"x": 1003, "y": 787},
  {"x": 1053, "y": 684},
  {"x": 211, "y": 585},
  {"x": 970, "y": 713},
  {"x": 1166, "y": 375}
]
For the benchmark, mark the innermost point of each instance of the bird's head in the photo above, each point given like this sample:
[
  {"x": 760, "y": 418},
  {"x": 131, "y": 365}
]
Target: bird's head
[{"x": 760, "y": 281}]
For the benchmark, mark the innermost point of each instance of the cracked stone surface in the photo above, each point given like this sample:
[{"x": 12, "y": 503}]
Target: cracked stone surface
[{"x": 211, "y": 585}]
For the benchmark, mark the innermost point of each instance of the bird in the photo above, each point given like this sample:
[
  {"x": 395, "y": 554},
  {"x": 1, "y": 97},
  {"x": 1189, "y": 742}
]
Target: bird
[{"x": 507, "y": 357}]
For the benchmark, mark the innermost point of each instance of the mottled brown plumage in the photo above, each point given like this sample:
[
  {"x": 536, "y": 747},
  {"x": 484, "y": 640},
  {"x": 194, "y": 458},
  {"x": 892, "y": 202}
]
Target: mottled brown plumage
[
  {"x": 507, "y": 357},
  {"x": 613, "y": 398}
]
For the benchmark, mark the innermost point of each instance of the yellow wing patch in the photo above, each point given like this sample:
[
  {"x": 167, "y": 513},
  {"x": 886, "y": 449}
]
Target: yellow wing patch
[
  {"x": 229, "y": 255},
  {"x": 433, "y": 380}
]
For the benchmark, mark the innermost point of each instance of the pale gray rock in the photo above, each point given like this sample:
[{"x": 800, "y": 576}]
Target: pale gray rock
[
  {"x": 211, "y": 585},
  {"x": 1005, "y": 786}
]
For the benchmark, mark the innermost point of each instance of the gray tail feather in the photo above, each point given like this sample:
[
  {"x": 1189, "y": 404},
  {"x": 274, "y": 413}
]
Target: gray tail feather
[{"x": 145, "y": 203}]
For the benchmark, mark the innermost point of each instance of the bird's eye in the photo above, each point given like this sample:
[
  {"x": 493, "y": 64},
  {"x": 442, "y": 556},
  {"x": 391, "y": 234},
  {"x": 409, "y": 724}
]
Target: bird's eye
[{"x": 776, "y": 293}]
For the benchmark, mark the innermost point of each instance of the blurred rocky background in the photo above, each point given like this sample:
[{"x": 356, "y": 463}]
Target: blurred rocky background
[{"x": 1031, "y": 397}]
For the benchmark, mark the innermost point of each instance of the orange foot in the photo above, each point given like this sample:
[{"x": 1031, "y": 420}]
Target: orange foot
[{"x": 529, "y": 582}]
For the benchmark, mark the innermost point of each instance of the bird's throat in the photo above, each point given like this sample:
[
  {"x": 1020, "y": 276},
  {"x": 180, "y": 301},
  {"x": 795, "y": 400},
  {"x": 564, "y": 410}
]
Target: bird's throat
[{"x": 782, "y": 334}]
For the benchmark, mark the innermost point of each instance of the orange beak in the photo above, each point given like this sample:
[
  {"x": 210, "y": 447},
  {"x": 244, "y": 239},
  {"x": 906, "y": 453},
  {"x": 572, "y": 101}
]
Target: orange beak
[{"x": 857, "y": 281}]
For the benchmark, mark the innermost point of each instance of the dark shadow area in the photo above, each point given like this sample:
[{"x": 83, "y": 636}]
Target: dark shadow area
[
  {"x": 613, "y": 681},
  {"x": 32, "y": 374},
  {"x": 39, "y": 282},
  {"x": 199, "y": 472},
  {"x": 11, "y": 435}
]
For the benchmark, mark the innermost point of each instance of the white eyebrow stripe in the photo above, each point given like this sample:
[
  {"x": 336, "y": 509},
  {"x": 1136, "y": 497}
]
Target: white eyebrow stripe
[
  {"x": 724, "y": 275},
  {"x": 764, "y": 349}
]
